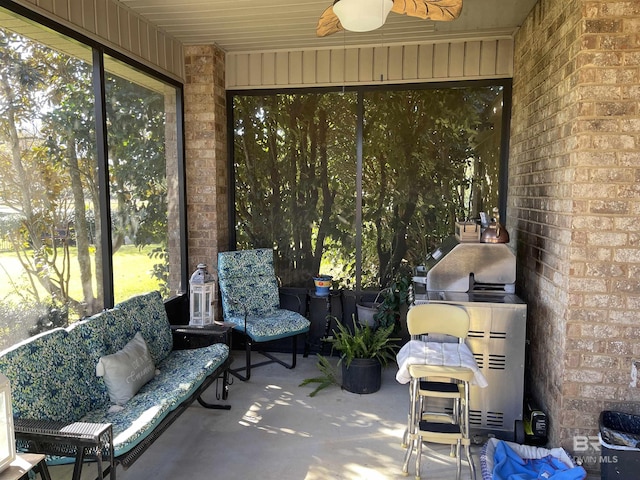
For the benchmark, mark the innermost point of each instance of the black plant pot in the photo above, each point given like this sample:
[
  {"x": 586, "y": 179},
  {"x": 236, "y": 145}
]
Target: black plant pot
[{"x": 364, "y": 375}]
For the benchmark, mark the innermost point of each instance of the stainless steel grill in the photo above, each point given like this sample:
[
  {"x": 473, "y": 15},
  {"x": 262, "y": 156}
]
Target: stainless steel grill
[{"x": 481, "y": 277}]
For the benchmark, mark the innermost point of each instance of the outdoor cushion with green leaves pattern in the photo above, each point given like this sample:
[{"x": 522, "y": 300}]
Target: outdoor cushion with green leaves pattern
[
  {"x": 48, "y": 377},
  {"x": 53, "y": 375},
  {"x": 249, "y": 291}
]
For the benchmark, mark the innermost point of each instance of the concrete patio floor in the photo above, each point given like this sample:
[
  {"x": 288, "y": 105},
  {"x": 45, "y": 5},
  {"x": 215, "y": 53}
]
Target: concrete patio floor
[{"x": 274, "y": 430}]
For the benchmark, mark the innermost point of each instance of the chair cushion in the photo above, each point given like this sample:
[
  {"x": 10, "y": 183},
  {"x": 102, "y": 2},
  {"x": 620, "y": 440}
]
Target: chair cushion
[
  {"x": 47, "y": 377},
  {"x": 272, "y": 326},
  {"x": 247, "y": 280},
  {"x": 102, "y": 334},
  {"x": 181, "y": 373},
  {"x": 148, "y": 316}
]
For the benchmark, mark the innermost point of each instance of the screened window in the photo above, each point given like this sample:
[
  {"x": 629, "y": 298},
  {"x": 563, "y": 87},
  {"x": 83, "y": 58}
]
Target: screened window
[
  {"x": 142, "y": 158},
  {"x": 295, "y": 166},
  {"x": 357, "y": 184},
  {"x": 81, "y": 226}
]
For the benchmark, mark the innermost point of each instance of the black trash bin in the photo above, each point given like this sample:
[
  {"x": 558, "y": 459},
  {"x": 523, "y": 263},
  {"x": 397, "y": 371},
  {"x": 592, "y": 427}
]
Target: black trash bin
[{"x": 620, "y": 445}]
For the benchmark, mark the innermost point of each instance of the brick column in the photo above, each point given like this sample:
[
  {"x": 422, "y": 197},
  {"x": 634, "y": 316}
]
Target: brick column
[
  {"x": 206, "y": 154},
  {"x": 574, "y": 206}
]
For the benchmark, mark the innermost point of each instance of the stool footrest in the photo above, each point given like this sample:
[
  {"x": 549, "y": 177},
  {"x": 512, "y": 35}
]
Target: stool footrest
[
  {"x": 438, "y": 427},
  {"x": 437, "y": 417},
  {"x": 441, "y": 387}
]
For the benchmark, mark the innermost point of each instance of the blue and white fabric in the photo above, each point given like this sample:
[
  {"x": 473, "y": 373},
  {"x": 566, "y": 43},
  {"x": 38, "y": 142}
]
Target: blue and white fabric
[
  {"x": 250, "y": 294},
  {"x": 53, "y": 375}
]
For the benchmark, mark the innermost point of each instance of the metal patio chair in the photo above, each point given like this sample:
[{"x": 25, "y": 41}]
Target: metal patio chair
[{"x": 251, "y": 302}]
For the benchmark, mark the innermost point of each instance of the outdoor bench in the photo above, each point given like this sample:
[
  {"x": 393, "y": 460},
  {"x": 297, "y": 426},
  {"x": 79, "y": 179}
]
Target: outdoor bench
[{"x": 63, "y": 409}]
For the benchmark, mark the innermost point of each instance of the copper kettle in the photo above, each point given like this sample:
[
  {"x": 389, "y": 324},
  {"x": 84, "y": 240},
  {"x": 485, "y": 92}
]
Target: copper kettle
[{"x": 495, "y": 232}]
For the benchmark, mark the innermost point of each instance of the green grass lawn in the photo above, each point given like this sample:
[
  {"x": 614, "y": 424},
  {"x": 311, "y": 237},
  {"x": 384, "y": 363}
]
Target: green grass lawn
[
  {"x": 132, "y": 269},
  {"x": 132, "y": 272}
]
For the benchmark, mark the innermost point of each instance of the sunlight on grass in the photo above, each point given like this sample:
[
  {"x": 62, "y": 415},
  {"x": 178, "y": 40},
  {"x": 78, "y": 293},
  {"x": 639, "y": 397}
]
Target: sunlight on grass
[
  {"x": 132, "y": 269},
  {"x": 132, "y": 272}
]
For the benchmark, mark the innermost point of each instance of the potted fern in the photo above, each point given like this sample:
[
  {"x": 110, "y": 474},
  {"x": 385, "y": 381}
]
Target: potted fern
[{"x": 364, "y": 350}]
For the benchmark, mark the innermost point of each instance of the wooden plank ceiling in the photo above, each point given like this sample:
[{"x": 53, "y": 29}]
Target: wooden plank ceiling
[{"x": 271, "y": 25}]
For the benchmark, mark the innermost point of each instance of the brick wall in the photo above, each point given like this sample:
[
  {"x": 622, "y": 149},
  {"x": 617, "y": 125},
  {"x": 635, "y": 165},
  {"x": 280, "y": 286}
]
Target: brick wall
[
  {"x": 574, "y": 206},
  {"x": 206, "y": 154}
]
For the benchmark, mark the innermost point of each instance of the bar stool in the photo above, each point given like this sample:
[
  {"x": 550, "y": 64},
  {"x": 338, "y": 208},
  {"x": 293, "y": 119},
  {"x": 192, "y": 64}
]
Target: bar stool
[{"x": 438, "y": 381}]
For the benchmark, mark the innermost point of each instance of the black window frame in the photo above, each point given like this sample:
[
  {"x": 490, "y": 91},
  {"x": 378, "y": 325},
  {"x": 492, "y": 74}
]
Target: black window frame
[
  {"x": 99, "y": 51},
  {"x": 360, "y": 90}
]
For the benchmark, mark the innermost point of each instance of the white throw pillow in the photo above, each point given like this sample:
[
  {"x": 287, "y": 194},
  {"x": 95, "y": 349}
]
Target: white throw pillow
[{"x": 127, "y": 370}]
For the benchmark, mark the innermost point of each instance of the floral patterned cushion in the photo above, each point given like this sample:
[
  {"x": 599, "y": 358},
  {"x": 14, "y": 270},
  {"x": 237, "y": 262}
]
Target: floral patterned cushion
[
  {"x": 102, "y": 334},
  {"x": 105, "y": 332},
  {"x": 272, "y": 326},
  {"x": 247, "y": 281},
  {"x": 248, "y": 285},
  {"x": 47, "y": 377},
  {"x": 164, "y": 393},
  {"x": 149, "y": 317}
]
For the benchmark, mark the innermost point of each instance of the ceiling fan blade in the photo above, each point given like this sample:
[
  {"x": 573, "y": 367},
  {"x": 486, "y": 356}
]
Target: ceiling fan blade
[
  {"x": 328, "y": 23},
  {"x": 438, "y": 10}
]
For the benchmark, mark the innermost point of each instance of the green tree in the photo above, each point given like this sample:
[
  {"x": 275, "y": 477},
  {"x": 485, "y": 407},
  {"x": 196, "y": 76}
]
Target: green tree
[
  {"x": 49, "y": 168},
  {"x": 137, "y": 161},
  {"x": 292, "y": 172},
  {"x": 430, "y": 156},
  {"x": 71, "y": 142},
  {"x": 418, "y": 147},
  {"x": 31, "y": 187},
  {"x": 137, "y": 169}
]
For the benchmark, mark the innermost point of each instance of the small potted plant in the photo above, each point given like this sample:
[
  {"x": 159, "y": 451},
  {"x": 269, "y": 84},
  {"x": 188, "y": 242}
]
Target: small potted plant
[
  {"x": 363, "y": 352},
  {"x": 395, "y": 299}
]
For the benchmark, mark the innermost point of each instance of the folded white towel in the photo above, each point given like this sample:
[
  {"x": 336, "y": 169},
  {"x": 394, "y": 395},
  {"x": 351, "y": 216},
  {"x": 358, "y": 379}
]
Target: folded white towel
[{"x": 416, "y": 352}]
